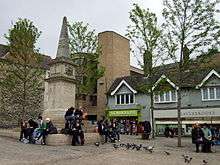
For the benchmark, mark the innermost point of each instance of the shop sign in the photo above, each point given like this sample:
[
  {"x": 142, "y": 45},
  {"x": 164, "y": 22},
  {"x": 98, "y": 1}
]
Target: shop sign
[
  {"x": 198, "y": 113},
  {"x": 203, "y": 112},
  {"x": 114, "y": 113}
]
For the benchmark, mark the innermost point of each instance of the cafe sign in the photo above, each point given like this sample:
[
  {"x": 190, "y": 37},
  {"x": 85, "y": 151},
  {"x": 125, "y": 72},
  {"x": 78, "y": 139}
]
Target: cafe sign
[{"x": 122, "y": 113}]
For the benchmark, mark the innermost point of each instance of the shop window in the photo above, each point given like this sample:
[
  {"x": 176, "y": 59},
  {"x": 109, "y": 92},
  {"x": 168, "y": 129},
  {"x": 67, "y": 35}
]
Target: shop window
[
  {"x": 210, "y": 93},
  {"x": 165, "y": 97},
  {"x": 124, "y": 99}
]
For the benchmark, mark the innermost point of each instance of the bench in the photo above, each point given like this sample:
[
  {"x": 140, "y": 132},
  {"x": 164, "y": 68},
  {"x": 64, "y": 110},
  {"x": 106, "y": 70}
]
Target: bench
[{"x": 62, "y": 139}]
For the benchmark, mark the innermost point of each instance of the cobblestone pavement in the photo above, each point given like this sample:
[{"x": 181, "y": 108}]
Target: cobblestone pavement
[{"x": 15, "y": 153}]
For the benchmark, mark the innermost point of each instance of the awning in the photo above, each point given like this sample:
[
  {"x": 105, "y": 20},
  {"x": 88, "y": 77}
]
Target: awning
[{"x": 123, "y": 113}]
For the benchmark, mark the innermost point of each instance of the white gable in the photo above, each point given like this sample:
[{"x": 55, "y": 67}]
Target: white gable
[
  {"x": 167, "y": 79},
  {"x": 123, "y": 82},
  {"x": 213, "y": 72}
]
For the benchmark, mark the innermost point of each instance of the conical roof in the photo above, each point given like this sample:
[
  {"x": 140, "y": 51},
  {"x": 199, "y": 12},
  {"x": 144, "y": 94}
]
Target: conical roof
[{"x": 63, "y": 49}]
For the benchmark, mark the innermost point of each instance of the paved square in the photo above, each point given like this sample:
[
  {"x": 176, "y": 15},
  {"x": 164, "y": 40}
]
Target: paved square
[{"x": 16, "y": 153}]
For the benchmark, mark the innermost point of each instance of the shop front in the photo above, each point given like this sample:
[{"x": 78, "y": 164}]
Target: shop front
[{"x": 168, "y": 118}]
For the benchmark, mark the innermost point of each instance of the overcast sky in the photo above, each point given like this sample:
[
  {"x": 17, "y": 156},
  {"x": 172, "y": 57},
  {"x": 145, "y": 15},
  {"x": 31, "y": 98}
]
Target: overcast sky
[{"x": 102, "y": 15}]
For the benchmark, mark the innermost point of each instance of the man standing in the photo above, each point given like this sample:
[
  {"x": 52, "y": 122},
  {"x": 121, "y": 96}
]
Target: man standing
[
  {"x": 207, "y": 138},
  {"x": 197, "y": 136}
]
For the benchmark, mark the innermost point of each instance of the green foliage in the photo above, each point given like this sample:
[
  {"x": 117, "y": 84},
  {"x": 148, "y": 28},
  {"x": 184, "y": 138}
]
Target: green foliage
[
  {"x": 190, "y": 23},
  {"x": 91, "y": 73},
  {"x": 85, "y": 54},
  {"x": 22, "y": 75},
  {"x": 82, "y": 40},
  {"x": 144, "y": 34}
]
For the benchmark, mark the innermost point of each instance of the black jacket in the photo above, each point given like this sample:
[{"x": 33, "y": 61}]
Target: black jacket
[{"x": 196, "y": 134}]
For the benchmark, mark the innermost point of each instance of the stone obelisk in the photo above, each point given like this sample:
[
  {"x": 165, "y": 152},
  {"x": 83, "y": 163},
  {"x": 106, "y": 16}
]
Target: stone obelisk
[{"x": 60, "y": 82}]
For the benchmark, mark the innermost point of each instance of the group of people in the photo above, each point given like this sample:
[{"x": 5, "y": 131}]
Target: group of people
[
  {"x": 168, "y": 132},
  {"x": 205, "y": 136},
  {"x": 36, "y": 130},
  {"x": 110, "y": 130},
  {"x": 74, "y": 125}
]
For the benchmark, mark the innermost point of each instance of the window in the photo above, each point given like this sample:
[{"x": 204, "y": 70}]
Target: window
[
  {"x": 173, "y": 95},
  {"x": 132, "y": 99},
  {"x": 205, "y": 93},
  {"x": 210, "y": 93},
  {"x": 127, "y": 99},
  {"x": 124, "y": 99},
  {"x": 165, "y": 97},
  {"x": 218, "y": 93},
  {"x": 156, "y": 98},
  {"x": 118, "y": 99}
]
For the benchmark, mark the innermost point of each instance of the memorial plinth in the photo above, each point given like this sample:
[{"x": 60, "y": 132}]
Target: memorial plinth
[{"x": 62, "y": 139}]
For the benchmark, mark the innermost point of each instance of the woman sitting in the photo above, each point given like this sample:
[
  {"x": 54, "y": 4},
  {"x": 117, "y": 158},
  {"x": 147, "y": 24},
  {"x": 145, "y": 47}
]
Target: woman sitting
[{"x": 47, "y": 128}]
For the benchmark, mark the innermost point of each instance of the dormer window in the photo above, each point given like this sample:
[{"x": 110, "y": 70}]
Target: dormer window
[
  {"x": 210, "y": 93},
  {"x": 165, "y": 97},
  {"x": 123, "y": 99}
]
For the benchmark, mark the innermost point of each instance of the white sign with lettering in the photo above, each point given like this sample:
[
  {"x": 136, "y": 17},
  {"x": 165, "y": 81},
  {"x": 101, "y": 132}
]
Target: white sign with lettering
[{"x": 207, "y": 112}]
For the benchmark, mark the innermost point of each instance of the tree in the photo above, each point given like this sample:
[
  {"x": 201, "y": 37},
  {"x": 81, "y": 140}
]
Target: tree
[
  {"x": 85, "y": 54},
  {"x": 22, "y": 75},
  {"x": 145, "y": 34},
  {"x": 188, "y": 24}
]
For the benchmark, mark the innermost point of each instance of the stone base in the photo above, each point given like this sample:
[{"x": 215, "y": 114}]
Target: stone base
[
  {"x": 56, "y": 116},
  {"x": 61, "y": 139}
]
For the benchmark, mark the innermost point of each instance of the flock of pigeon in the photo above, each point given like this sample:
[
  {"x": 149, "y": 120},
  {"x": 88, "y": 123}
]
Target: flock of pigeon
[
  {"x": 134, "y": 147},
  {"x": 129, "y": 146}
]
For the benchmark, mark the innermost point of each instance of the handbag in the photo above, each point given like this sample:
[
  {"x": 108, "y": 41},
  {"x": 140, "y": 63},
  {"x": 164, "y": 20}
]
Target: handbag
[{"x": 199, "y": 140}]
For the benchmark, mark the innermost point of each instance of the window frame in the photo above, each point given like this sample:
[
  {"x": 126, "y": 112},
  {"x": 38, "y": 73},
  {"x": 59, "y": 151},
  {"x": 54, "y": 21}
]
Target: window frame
[
  {"x": 124, "y": 95},
  {"x": 208, "y": 90},
  {"x": 164, "y": 97}
]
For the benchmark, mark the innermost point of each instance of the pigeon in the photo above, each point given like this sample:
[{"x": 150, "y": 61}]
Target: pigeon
[
  {"x": 145, "y": 148},
  {"x": 205, "y": 162},
  {"x": 167, "y": 153},
  {"x": 115, "y": 146},
  {"x": 97, "y": 144},
  {"x": 187, "y": 159},
  {"x": 133, "y": 146},
  {"x": 128, "y": 146},
  {"x": 122, "y": 145},
  {"x": 138, "y": 148},
  {"x": 149, "y": 148},
  {"x": 185, "y": 156}
]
